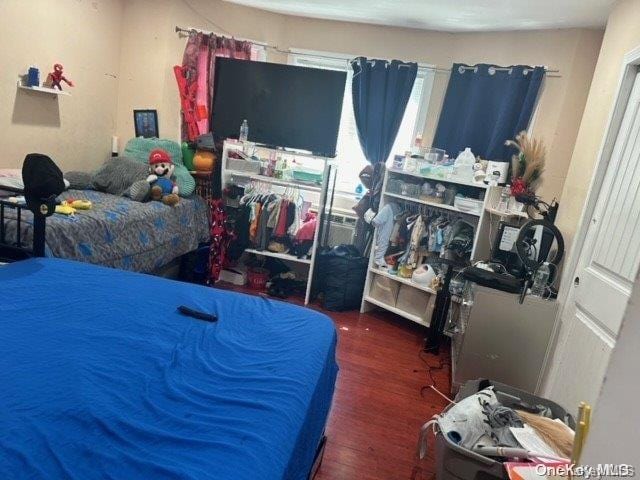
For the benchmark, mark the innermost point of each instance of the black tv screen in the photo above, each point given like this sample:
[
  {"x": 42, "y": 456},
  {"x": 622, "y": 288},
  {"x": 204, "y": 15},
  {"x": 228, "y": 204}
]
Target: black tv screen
[{"x": 285, "y": 106}]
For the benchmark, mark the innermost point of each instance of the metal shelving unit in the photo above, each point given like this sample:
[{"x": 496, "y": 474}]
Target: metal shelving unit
[{"x": 431, "y": 204}]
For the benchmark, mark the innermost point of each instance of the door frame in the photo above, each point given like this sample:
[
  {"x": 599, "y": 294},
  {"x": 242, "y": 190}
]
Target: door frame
[{"x": 630, "y": 68}]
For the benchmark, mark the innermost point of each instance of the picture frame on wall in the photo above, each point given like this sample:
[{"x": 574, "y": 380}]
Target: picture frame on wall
[{"x": 146, "y": 123}]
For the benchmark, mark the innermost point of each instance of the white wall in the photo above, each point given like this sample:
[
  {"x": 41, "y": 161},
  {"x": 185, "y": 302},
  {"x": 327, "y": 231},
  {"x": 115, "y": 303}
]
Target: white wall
[
  {"x": 151, "y": 47},
  {"x": 120, "y": 53},
  {"x": 621, "y": 35},
  {"x": 83, "y": 35}
]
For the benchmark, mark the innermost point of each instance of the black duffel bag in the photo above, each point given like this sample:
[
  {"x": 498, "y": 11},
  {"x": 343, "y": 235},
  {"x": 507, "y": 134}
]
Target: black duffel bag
[{"x": 341, "y": 273}]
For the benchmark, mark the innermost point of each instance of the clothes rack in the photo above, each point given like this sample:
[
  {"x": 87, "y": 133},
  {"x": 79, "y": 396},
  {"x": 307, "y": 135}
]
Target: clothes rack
[
  {"x": 262, "y": 184},
  {"x": 481, "y": 221}
]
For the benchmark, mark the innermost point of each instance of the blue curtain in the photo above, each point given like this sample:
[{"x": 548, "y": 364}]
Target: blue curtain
[
  {"x": 484, "y": 106},
  {"x": 380, "y": 91}
]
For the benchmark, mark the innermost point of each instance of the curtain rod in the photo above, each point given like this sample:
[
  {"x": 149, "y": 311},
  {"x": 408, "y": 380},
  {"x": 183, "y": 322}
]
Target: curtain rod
[{"x": 188, "y": 30}]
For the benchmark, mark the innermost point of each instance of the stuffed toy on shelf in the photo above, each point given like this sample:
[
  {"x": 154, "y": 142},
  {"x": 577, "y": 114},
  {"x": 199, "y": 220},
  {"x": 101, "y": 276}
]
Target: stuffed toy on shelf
[
  {"x": 163, "y": 187},
  {"x": 57, "y": 77}
]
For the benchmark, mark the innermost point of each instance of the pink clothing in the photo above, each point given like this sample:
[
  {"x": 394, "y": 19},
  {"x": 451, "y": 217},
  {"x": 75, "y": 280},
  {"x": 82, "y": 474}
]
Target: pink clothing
[
  {"x": 308, "y": 229},
  {"x": 202, "y": 94},
  {"x": 281, "y": 227},
  {"x": 198, "y": 65}
]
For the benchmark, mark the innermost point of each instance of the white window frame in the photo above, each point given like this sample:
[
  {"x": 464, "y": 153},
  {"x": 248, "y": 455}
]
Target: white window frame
[
  {"x": 340, "y": 61},
  {"x": 259, "y": 51}
]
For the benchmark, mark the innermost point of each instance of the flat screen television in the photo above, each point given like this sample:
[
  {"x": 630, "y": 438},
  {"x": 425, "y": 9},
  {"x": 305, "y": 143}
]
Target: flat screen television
[{"x": 284, "y": 105}]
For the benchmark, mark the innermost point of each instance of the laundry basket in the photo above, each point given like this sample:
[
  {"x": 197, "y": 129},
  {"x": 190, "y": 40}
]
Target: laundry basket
[{"x": 454, "y": 462}]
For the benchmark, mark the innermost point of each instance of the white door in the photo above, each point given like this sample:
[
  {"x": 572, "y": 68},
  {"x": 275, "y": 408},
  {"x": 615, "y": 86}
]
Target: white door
[
  {"x": 605, "y": 272},
  {"x": 614, "y": 435}
]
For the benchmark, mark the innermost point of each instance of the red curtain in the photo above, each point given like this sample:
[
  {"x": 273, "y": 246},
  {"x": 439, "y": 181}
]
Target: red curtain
[
  {"x": 198, "y": 67},
  {"x": 198, "y": 64}
]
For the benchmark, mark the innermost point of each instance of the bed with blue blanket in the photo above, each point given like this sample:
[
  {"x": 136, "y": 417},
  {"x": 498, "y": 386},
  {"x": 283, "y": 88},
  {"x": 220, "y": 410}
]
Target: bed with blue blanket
[
  {"x": 102, "y": 377},
  {"x": 117, "y": 231}
]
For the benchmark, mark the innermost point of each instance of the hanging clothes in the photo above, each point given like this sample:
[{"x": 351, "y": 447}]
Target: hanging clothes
[
  {"x": 272, "y": 222},
  {"x": 383, "y": 222},
  {"x": 410, "y": 258},
  {"x": 241, "y": 230},
  {"x": 281, "y": 223},
  {"x": 262, "y": 237},
  {"x": 256, "y": 210},
  {"x": 303, "y": 240}
]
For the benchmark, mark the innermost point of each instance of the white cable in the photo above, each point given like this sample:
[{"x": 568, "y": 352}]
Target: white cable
[
  {"x": 515, "y": 452},
  {"x": 433, "y": 387}
]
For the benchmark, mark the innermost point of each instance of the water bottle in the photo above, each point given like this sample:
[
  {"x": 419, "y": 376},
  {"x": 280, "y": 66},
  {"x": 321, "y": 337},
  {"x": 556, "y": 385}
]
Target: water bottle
[
  {"x": 466, "y": 158},
  {"x": 540, "y": 280},
  {"x": 277, "y": 172},
  {"x": 244, "y": 131},
  {"x": 505, "y": 195},
  {"x": 359, "y": 191}
]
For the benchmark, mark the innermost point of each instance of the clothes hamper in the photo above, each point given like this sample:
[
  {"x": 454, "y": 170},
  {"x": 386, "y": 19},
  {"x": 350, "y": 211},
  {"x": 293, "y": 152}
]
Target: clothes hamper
[{"x": 457, "y": 463}]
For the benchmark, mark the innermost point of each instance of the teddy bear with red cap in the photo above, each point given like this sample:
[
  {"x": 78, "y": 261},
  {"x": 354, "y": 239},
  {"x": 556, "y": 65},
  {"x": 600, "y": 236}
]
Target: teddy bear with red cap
[{"x": 161, "y": 168}]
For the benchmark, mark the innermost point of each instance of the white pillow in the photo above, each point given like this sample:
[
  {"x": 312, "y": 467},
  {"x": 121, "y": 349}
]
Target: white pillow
[{"x": 12, "y": 177}]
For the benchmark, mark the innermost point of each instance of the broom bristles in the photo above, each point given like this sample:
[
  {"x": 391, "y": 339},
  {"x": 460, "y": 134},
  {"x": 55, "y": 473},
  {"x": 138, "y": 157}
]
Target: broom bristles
[
  {"x": 556, "y": 435},
  {"x": 528, "y": 164}
]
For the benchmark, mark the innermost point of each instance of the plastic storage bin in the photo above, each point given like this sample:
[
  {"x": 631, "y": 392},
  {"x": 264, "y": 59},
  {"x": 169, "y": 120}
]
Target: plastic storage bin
[
  {"x": 242, "y": 165},
  {"x": 384, "y": 289},
  {"x": 415, "y": 302},
  {"x": 469, "y": 205},
  {"x": 456, "y": 463},
  {"x": 305, "y": 174}
]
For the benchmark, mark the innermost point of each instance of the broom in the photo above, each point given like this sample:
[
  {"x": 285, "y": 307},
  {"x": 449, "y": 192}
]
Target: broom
[{"x": 557, "y": 435}]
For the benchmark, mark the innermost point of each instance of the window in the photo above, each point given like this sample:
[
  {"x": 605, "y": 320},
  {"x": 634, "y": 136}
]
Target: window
[
  {"x": 349, "y": 157},
  {"x": 258, "y": 52}
]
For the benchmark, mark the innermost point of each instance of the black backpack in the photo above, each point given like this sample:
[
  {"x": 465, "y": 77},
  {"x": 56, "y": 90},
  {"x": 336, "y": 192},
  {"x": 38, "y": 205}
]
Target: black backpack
[{"x": 42, "y": 178}]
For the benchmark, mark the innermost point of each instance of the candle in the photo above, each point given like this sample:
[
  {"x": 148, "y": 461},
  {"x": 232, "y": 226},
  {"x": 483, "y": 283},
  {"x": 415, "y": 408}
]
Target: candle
[{"x": 114, "y": 146}]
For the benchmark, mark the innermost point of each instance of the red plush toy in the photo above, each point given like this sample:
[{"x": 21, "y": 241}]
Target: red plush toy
[{"x": 57, "y": 76}]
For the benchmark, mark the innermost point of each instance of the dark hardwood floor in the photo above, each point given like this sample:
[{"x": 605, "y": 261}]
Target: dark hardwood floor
[{"x": 378, "y": 407}]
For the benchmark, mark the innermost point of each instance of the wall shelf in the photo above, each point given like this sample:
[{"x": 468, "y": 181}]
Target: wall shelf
[
  {"x": 443, "y": 206},
  {"x": 507, "y": 214},
  {"x": 455, "y": 180},
  {"x": 45, "y": 90},
  {"x": 275, "y": 181}
]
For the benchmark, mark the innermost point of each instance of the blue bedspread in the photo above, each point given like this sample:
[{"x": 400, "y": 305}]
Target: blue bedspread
[
  {"x": 102, "y": 378},
  {"x": 118, "y": 232}
]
